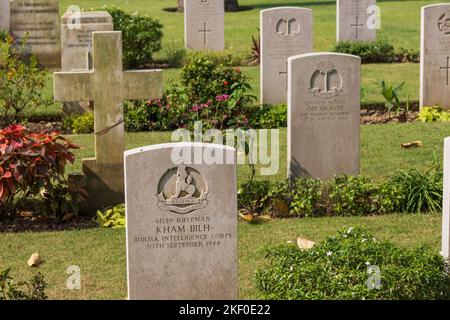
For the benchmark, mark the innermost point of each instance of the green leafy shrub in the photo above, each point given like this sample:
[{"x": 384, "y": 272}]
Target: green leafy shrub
[
  {"x": 421, "y": 191},
  {"x": 80, "y": 123},
  {"x": 391, "y": 95},
  {"x": 21, "y": 82},
  {"x": 408, "y": 55},
  {"x": 112, "y": 218},
  {"x": 305, "y": 198},
  {"x": 141, "y": 36},
  {"x": 350, "y": 196},
  {"x": 176, "y": 57},
  {"x": 226, "y": 57},
  {"x": 34, "y": 289},
  {"x": 136, "y": 116},
  {"x": 338, "y": 268},
  {"x": 432, "y": 114},
  {"x": 407, "y": 191},
  {"x": 268, "y": 116},
  {"x": 370, "y": 52},
  {"x": 259, "y": 196}
]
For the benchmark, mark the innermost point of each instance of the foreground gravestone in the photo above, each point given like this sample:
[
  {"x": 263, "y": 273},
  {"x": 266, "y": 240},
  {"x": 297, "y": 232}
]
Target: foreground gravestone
[
  {"x": 38, "y": 22},
  {"x": 354, "y": 20},
  {"x": 323, "y": 115},
  {"x": 285, "y": 32},
  {"x": 181, "y": 222},
  {"x": 435, "y": 56},
  {"x": 107, "y": 85},
  {"x": 76, "y": 45},
  {"x": 204, "y": 24},
  {"x": 4, "y": 15},
  {"x": 446, "y": 202}
]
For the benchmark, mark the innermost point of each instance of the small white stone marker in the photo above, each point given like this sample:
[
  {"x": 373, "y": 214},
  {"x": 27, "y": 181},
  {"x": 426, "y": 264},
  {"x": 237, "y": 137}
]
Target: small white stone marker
[
  {"x": 446, "y": 202},
  {"x": 356, "y": 20},
  {"x": 181, "y": 222},
  {"x": 323, "y": 115},
  {"x": 204, "y": 24},
  {"x": 435, "y": 56},
  {"x": 107, "y": 85},
  {"x": 285, "y": 32}
]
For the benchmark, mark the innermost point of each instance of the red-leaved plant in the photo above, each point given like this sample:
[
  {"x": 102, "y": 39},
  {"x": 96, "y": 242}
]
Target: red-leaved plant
[{"x": 31, "y": 165}]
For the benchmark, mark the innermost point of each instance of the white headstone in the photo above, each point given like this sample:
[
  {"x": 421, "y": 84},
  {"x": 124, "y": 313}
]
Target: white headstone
[
  {"x": 39, "y": 21},
  {"x": 323, "y": 115},
  {"x": 446, "y": 202},
  {"x": 204, "y": 24},
  {"x": 76, "y": 45},
  {"x": 181, "y": 223},
  {"x": 356, "y": 20},
  {"x": 76, "y": 36},
  {"x": 285, "y": 32},
  {"x": 4, "y": 15},
  {"x": 435, "y": 56}
]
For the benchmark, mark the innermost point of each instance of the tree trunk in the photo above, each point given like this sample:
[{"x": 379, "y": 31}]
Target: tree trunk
[{"x": 230, "y": 5}]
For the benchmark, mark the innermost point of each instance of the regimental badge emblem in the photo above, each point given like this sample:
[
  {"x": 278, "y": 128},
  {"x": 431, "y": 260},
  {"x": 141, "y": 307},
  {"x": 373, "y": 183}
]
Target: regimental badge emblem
[
  {"x": 289, "y": 27},
  {"x": 204, "y": 1},
  {"x": 326, "y": 82},
  {"x": 182, "y": 189},
  {"x": 444, "y": 23}
]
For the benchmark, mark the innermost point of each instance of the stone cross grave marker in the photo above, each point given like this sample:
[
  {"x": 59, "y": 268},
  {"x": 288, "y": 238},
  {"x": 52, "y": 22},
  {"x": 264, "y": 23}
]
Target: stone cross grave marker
[
  {"x": 285, "y": 32},
  {"x": 204, "y": 24},
  {"x": 446, "y": 202},
  {"x": 4, "y": 15},
  {"x": 76, "y": 45},
  {"x": 107, "y": 85},
  {"x": 323, "y": 115},
  {"x": 435, "y": 56},
  {"x": 181, "y": 222},
  {"x": 354, "y": 20},
  {"x": 39, "y": 21}
]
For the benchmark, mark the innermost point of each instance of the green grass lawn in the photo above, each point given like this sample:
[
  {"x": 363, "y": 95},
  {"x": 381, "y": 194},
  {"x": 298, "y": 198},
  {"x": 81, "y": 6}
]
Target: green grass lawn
[
  {"x": 381, "y": 154},
  {"x": 371, "y": 75},
  {"x": 100, "y": 253},
  {"x": 240, "y": 26}
]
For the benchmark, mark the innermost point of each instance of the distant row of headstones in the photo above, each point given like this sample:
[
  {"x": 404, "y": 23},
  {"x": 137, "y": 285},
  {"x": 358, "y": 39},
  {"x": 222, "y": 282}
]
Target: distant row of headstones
[{"x": 288, "y": 31}]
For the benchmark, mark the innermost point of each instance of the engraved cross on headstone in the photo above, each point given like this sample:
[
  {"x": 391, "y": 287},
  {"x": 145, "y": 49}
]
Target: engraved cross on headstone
[
  {"x": 284, "y": 73},
  {"x": 107, "y": 85},
  {"x": 447, "y": 68},
  {"x": 205, "y": 31},
  {"x": 357, "y": 25}
]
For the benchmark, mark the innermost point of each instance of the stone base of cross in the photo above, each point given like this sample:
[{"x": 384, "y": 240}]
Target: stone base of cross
[{"x": 107, "y": 85}]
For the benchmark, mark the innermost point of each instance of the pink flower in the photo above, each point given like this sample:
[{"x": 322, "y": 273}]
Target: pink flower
[{"x": 222, "y": 98}]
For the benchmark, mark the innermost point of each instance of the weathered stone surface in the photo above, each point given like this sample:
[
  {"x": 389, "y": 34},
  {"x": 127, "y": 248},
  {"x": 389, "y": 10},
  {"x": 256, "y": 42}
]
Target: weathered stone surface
[
  {"x": 323, "y": 115},
  {"x": 76, "y": 36},
  {"x": 4, "y": 15},
  {"x": 446, "y": 202},
  {"x": 181, "y": 223},
  {"x": 354, "y": 20},
  {"x": 40, "y": 20},
  {"x": 204, "y": 24},
  {"x": 76, "y": 45},
  {"x": 435, "y": 56},
  {"x": 285, "y": 32},
  {"x": 107, "y": 85}
]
